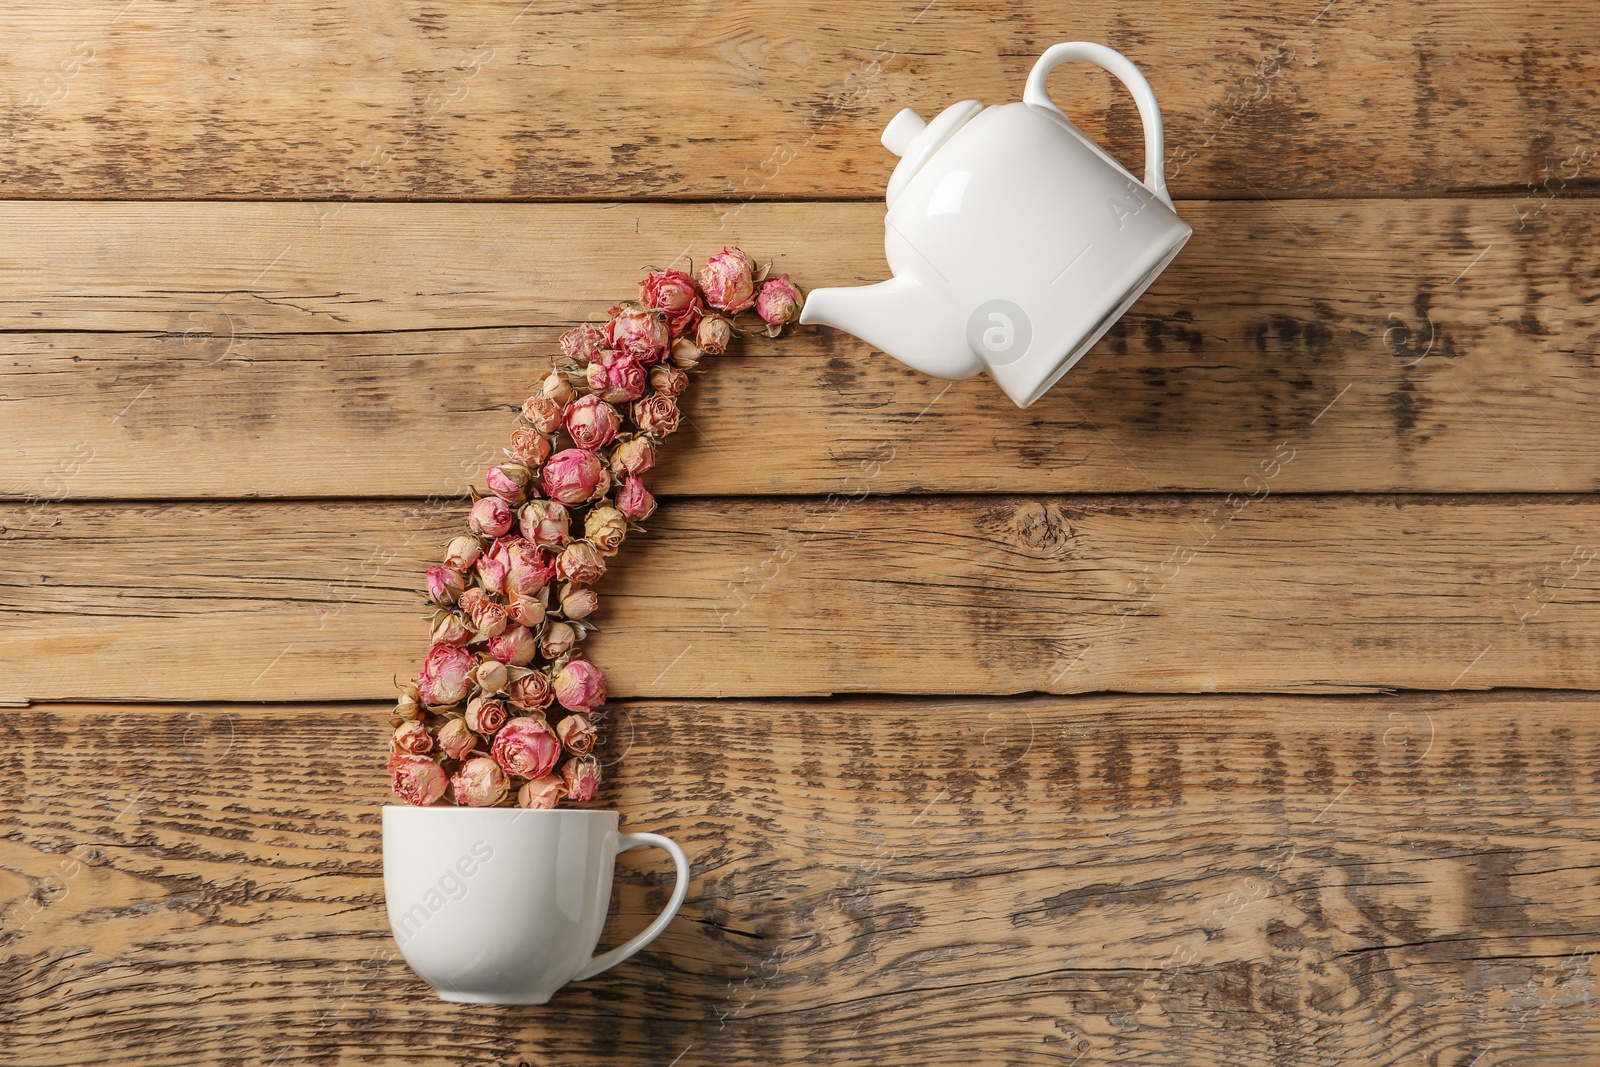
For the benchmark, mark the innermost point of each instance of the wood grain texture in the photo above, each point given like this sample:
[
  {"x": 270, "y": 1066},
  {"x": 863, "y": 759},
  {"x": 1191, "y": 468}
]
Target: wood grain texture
[
  {"x": 1247, "y": 880},
  {"x": 498, "y": 101},
  {"x": 1454, "y": 350},
  {"x": 976, "y": 595}
]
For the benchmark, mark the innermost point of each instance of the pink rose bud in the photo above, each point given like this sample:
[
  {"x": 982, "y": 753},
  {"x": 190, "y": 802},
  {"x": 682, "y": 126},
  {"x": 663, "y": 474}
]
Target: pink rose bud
[
  {"x": 605, "y": 528},
  {"x": 714, "y": 335},
  {"x": 485, "y": 715},
  {"x": 574, "y": 476},
  {"x": 634, "y": 500},
  {"x": 544, "y": 412},
  {"x": 491, "y": 571},
  {"x": 531, "y": 692},
  {"x": 617, "y": 378},
  {"x": 444, "y": 680},
  {"x": 577, "y": 734},
  {"x": 450, "y": 629},
  {"x": 515, "y": 647},
  {"x": 580, "y": 686},
  {"x": 509, "y": 482},
  {"x": 542, "y": 793},
  {"x": 526, "y": 610},
  {"x": 416, "y": 779},
  {"x": 728, "y": 279},
  {"x": 529, "y": 447},
  {"x": 685, "y": 353},
  {"x": 528, "y": 568},
  {"x": 412, "y": 738},
  {"x": 445, "y": 585},
  {"x": 480, "y": 783},
  {"x": 557, "y": 640},
  {"x": 556, "y": 387},
  {"x": 577, "y": 602},
  {"x": 490, "y": 517},
  {"x": 462, "y": 552},
  {"x": 526, "y": 747},
  {"x": 638, "y": 333},
  {"x": 482, "y": 611},
  {"x": 581, "y": 562},
  {"x": 491, "y": 676},
  {"x": 456, "y": 739},
  {"x": 665, "y": 378},
  {"x": 544, "y": 522},
  {"x": 656, "y": 414},
  {"x": 582, "y": 777},
  {"x": 592, "y": 422},
  {"x": 779, "y": 301},
  {"x": 636, "y": 455},
  {"x": 672, "y": 293},
  {"x": 583, "y": 344}
]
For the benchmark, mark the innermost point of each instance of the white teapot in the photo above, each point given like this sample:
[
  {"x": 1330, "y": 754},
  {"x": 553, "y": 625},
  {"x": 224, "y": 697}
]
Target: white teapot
[{"x": 1015, "y": 240}]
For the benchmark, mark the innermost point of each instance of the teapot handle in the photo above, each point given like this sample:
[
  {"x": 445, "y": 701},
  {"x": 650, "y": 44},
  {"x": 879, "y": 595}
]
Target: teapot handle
[{"x": 1037, "y": 94}]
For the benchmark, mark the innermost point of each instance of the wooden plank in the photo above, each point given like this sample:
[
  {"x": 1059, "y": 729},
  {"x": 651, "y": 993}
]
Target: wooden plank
[
  {"x": 497, "y": 101},
  {"x": 980, "y": 595},
  {"x": 1184, "y": 881},
  {"x": 1460, "y": 356}
]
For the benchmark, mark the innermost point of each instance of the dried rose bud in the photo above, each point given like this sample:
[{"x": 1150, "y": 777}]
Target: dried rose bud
[
  {"x": 592, "y": 423},
  {"x": 544, "y": 522},
  {"x": 778, "y": 303},
  {"x": 577, "y": 602},
  {"x": 483, "y": 612},
  {"x": 657, "y": 414},
  {"x": 529, "y": 447},
  {"x": 581, "y": 344},
  {"x": 416, "y": 779},
  {"x": 605, "y": 528},
  {"x": 582, "y": 777},
  {"x": 412, "y": 738},
  {"x": 490, "y": 517},
  {"x": 542, "y": 793},
  {"x": 515, "y": 647},
  {"x": 665, "y": 378},
  {"x": 527, "y": 611},
  {"x": 634, "y": 500},
  {"x": 509, "y": 482},
  {"x": 556, "y": 387},
  {"x": 491, "y": 676},
  {"x": 480, "y": 783},
  {"x": 617, "y": 378},
  {"x": 456, "y": 739},
  {"x": 407, "y": 707},
  {"x": 685, "y": 353},
  {"x": 633, "y": 456},
  {"x": 450, "y": 629},
  {"x": 485, "y": 715},
  {"x": 445, "y": 585},
  {"x": 714, "y": 335},
  {"x": 528, "y": 567},
  {"x": 526, "y": 747},
  {"x": 491, "y": 571},
  {"x": 580, "y": 686},
  {"x": 462, "y": 552},
  {"x": 673, "y": 293},
  {"x": 728, "y": 279},
  {"x": 577, "y": 734},
  {"x": 638, "y": 333},
  {"x": 543, "y": 412},
  {"x": 531, "y": 692},
  {"x": 557, "y": 640},
  {"x": 581, "y": 562},
  {"x": 574, "y": 476},
  {"x": 444, "y": 680}
]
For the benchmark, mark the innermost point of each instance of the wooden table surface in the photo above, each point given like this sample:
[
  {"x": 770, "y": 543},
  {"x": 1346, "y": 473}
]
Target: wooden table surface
[{"x": 1238, "y": 703}]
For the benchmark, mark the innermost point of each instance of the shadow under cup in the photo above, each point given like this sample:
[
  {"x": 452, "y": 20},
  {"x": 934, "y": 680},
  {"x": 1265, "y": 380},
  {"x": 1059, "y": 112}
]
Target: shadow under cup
[{"x": 505, "y": 905}]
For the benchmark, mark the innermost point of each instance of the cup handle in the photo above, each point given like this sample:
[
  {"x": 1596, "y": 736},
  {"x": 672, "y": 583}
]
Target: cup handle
[
  {"x": 1037, "y": 94},
  {"x": 680, "y": 889}
]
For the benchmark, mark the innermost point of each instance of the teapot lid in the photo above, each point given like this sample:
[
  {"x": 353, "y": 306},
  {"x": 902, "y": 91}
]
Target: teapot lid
[{"x": 907, "y": 137}]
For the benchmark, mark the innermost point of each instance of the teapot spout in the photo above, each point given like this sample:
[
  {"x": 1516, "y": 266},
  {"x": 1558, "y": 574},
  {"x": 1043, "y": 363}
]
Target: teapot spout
[{"x": 901, "y": 317}]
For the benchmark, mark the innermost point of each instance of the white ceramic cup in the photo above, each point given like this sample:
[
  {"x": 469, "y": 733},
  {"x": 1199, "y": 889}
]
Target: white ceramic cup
[{"x": 505, "y": 905}]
